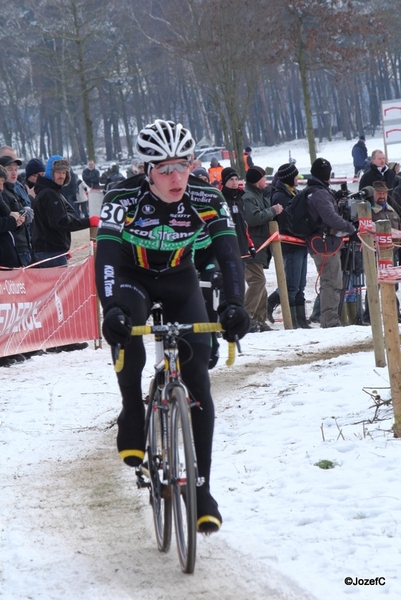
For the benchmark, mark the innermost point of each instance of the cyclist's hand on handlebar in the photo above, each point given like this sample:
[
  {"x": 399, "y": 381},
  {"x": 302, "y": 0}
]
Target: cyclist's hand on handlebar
[
  {"x": 234, "y": 320},
  {"x": 117, "y": 325}
]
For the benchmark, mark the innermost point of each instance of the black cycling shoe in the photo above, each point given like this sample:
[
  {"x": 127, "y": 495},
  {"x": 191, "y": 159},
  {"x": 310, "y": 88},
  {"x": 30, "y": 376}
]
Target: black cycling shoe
[
  {"x": 209, "y": 519},
  {"x": 130, "y": 439}
]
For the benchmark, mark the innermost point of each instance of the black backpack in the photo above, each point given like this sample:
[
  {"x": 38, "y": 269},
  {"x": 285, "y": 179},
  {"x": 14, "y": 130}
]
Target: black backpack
[{"x": 300, "y": 223}]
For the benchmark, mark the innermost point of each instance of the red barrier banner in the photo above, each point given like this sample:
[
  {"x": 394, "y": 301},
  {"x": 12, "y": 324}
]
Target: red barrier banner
[{"x": 43, "y": 308}]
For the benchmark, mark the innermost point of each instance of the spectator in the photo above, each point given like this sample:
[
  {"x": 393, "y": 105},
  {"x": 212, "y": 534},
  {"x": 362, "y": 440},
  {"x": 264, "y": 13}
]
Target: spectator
[
  {"x": 378, "y": 171},
  {"x": 325, "y": 244},
  {"x": 258, "y": 213},
  {"x": 382, "y": 210},
  {"x": 359, "y": 155},
  {"x": 9, "y": 222},
  {"x": 215, "y": 170},
  {"x": 20, "y": 189},
  {"x": 15, "y": 203},
  {"x": 82, "y": 199},
  {"x": 113, "y": 178},
  {"x": 70, "y": 191},
  {"x": 295, "y": 256},
  {"x": 91, "y": 175},
  {"x": 233, "y": 196},
  {"x": 54, "y": 217},
  {"x": 33, "y": 168},
  {"x": 248, "y": 162},
  {"x": 202, "y": 173},
  {"x": 196, "y": 164}
]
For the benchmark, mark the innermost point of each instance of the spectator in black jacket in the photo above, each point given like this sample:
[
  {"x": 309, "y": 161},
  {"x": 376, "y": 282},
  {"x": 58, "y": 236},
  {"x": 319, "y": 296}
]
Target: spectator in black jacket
[
  {"x": 54, "y": 217},
  {"x": 16, "y": 203},
  {"x": 378, "y": 171},
  {"x": 233, "y": 196},
  {"x": 9, "y": 222},
  {"x": 91, "y": 175},
  {"x": 324, "y": 245},
  {"x": 295, "y": 256}
]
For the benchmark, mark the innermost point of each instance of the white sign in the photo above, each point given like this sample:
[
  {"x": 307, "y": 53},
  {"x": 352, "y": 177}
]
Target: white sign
[
  {"x": 391, "y": 118},
  {"x": 391, "y": 111},
  {"x": 392, "y": 133}
]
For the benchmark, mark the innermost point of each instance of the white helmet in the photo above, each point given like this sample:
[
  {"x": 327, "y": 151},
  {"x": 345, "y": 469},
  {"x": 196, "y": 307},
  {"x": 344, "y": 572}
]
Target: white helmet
[{"x": 163, "y": 140}]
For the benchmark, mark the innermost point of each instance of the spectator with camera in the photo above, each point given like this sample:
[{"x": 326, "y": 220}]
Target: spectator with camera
[
  {"x": 325, "y": 243},
  {"x": 381, "y": 210}
]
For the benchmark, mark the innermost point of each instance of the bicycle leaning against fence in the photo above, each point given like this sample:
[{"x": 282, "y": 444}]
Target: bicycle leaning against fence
[{"x": 170, "y": 468}]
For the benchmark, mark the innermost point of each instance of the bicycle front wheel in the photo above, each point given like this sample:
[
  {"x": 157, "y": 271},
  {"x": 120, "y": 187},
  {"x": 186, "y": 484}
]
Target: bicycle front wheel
[
  {"x": 183, "y": 479},
  {"x": 158, "y": 469}
]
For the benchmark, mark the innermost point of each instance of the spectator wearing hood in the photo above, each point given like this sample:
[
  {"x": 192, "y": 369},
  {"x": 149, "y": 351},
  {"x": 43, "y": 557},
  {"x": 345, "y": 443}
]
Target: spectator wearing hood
[
  {"x": 247, "y": 156},
  {"x": 16, "y": 203},
  {"x": 55, "y": 219},
  {"x": 214, "y": 171}
]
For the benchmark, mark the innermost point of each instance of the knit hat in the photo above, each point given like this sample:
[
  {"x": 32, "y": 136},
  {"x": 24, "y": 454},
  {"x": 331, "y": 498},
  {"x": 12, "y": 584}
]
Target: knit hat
[
  {"x": 201, "y": 172},
  {"x": 287, "y": 173},
  {"x": 33, "y": 167},
  {"x": 248, "y": 149},
  {"x": 6, "y": 161},
  {"x": 227, "y": 173},
  {"x": 362, "y": 137},
  {"x": 254, "y": 174},
  {"x": 321, "y": 169}
]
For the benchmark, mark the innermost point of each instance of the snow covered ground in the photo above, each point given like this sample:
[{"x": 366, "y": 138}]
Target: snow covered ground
[{"x": 74, "y": 526}]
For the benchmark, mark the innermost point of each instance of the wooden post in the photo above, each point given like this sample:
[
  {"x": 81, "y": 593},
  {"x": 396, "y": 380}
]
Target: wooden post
[
  {"x": 372, "y": 289},
  {"x": 390, "y": 319},
  {"x": 280, "y": 274}
]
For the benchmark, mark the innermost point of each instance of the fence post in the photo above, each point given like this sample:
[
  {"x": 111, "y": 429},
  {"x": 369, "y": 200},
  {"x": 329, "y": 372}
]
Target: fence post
[
  {"x": 384, "y": 245},
  {"x": 280, "y": 274},
  {"x": 372, "y": 289}
]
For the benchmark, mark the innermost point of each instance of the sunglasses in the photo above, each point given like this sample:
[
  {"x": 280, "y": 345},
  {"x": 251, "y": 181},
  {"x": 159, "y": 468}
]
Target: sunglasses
[{"x": 181, "y": 167}]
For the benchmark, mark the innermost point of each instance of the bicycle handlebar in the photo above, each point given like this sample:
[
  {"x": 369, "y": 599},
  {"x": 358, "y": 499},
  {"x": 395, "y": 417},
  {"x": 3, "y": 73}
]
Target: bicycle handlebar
[{"x": 180, "y": 328}]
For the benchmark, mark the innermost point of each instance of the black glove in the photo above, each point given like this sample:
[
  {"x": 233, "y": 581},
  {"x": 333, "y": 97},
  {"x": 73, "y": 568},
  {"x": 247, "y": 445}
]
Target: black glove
[
  {"x": 252, "y": 251},
  {"x": 117, "y": 325},
  {"x": 234, "y": 320}
]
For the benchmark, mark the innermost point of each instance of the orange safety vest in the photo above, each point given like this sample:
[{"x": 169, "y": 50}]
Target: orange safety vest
[
  {"x": 245, "y": 156},
  {"x": 215, "y": 174}
]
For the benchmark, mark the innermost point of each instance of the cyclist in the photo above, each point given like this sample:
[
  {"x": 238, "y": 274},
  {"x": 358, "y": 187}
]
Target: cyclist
[{"x": 144, "y": 254}]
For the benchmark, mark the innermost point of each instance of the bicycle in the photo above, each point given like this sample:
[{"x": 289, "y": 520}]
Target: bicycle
[{"x": 170, "y": 469}]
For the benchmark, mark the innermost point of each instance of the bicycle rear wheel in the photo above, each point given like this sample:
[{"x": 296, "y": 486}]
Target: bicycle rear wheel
[
  {"x": 160, "y": 497},
  {"x": 183, "y": 479}
]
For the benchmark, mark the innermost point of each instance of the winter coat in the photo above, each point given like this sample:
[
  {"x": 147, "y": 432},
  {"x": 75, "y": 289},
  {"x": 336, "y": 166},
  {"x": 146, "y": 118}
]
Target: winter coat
[
  {"x": 54, "y": 218},
  {"x": 8, "y": 225},
  {"x": 215, "y": 174},
  {"x": 359, "y": 155},
  {"x": 248, "y": 162},
  {"x": 91, "y": 177},
  {"x": 283, "y": 194},
  {"x": 376, "y": 174},
  {"x": 16, "y": 203},
  {"x": 236, "y": 206},
  {"x": 258, "y": 213},
  {"x": 322, "y": 203}
]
